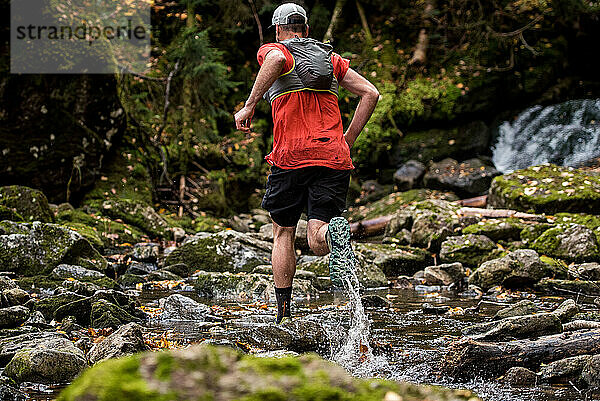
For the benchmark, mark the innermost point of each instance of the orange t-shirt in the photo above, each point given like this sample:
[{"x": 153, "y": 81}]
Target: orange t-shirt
[{"x": 307, "y": 125}]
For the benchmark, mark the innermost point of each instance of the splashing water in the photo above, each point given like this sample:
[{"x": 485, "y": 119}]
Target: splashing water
[
  {"x": 355, "y": 353},
  {"x": 566, "y": 134}
]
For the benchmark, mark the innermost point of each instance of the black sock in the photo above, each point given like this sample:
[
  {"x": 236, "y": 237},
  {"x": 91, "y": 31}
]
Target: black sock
[{"x": 284, "y": 298}]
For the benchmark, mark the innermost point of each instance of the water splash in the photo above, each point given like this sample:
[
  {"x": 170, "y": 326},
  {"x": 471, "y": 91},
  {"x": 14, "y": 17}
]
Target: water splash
[
  {"x": 566, "y": 134},
  {"x": 354, "y": 352}
]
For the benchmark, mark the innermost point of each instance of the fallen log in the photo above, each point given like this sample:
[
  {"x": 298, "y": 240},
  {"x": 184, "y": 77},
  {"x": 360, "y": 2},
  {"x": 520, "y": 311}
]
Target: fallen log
[
  {"x": 367, "y": 228},
  {"x": 500, "y": 213},
  {"x": 468, "y": 358},
  {"x": 581, "y": 325},
  {"x": 478, "y": 201}
]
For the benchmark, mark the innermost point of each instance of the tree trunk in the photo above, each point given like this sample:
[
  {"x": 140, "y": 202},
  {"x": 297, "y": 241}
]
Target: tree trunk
[
  {"x": 337, "y": 10},
  {"x": 365, "y": 25},
  {"x": 367, "y": 228},
  {"x": 420, "y": 55},
  {"x": 469, "y": 358}
]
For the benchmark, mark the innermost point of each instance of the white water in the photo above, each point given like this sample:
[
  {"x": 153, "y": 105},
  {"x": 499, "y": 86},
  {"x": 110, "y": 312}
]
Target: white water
[{"x": 565, "y": 134}]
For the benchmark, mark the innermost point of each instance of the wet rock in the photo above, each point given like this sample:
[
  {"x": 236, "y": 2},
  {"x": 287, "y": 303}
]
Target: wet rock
[
  {"x": 556, "y": 286},
  {"x": 48, "y": 305},
  {"x": 13, "y": 297},
  {"x": 146, "y": 252},
  {"x": 518, "y": 376},
  {"x": 546, "y": 189},
  {"x": 372, "y": 191},
  {"x": 516, "y": 327},
  {"x": 239, "y": 224},
  {"x": 434, "y": 221},
  {"x": 37, "y": 248},
  {"x": 566, "y": 310},
  {"x": 430, "y": 309},
  {"x": 50, "y": 361},
  {"x": 64, "y": 271},
  {"x": 400, "y": 223},
  {"x": 105, "y": 314},
  {"x": 569, "y": 242},
  {"x": 7, "y": 284},
  {"x": 226, "y": 374},
  {"x": 36, "y": 319},
  {"x": 11, "y": 345},
  {"x": 392, "y": 259},
  {"x": 30, "y": 204},
  {"x": 181, "y": 269},
  {"x": 468, "y": 178},
  {"x": 125, "y": 341},
  {"x": 468, "y": 249},
  {"x": 80, "y": 287},
  {"x": 564, "y": 370},
  {"x": 518, "y": 269},
  {"x": 590, "y": 374},
  {"x": 588, "y": 271},
  {"x": 521, "y": 308},
  {"x": 141, "y": 268},
  {"x": 13, "y": 316},
  {"x": 138, "y": 214},
  {"x": 180, "y": 307},
  {"x": 9, "y": 390},
  {"x": 131, "y": 280},
  {"x": 497, "y": 229},
  {"x": 161, "y": 275},
  {"x": 375, "y": 301},
  {"x": 9, "y": 214},
  {"x": 409, "y": 175},
  {"x": 444, "y": 274},
  {"x": 225, "y": 251}
]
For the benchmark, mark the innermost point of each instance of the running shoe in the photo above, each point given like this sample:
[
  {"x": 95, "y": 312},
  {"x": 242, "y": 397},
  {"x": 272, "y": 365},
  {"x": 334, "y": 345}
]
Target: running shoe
[{"x": 341, "y": 257}]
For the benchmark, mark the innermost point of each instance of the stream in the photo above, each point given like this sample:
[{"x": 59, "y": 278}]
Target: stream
[{"x": 398, "y": 342}]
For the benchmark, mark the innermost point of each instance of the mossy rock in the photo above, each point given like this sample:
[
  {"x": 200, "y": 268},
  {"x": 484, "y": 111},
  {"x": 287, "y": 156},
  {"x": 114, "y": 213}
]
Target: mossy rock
[
  {"x": 7, "y": 213},
  {"x": 224, "y": 251},
  {"x": 531, "y": 232},
  {"x": 434, "y": 221},
  {"x": 557, "y": 286},
  {"x": 469, "y": 250},
  {"x": 547, "y": 189},
  {"x": 207, "y": 372},
  {"x": 570, "y": 242},
  {"x": 497, "y": 229},
  {"x": 395, "y": 260},
  {"x": 390, "y": 204},
  {"x": 105, "y": 314},
  {"x": 138, "y": 214},
  {"x": 587, "y": 220},
  {"x": 31, "y": 204},
  {"x": 37, "y": 248}
]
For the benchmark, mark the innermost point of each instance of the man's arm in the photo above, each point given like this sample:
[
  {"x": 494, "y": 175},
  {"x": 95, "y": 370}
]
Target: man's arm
[
  {"x": 268, "y": 73},
  {"x": 369, "y": 95}
]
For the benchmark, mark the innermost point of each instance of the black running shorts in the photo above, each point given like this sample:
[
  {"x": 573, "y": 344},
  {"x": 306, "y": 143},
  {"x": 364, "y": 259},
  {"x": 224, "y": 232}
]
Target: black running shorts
[{"x": 321, "y": 191}]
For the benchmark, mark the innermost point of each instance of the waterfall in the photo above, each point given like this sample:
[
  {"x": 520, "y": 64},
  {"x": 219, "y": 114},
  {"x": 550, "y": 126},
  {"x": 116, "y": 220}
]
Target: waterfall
[{"x": 566, "y": 134}]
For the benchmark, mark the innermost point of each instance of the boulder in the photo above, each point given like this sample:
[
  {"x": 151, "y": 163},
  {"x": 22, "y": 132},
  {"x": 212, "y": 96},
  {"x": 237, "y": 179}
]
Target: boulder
[
  {"x": 180, "y": 307},
  {"x": 434, "y": 221},
  {"x": 468, "y": 178},
  {"x": 590, "y": 374},
  {"x": 444, "y": 274},
  {"x": 7, "y": 284},
  {"x": 29, "y": 204},
  {"x": 566, "y": 310},
  {"x": 141, "y": 268},
  {"x": 11, "y": 345},
  {"x": 519, "y": 376},
  {"x": 221, "y": 373},
  {"x": 49, "y": 361},
  {"x": 49, "y": 305},
  {"x": 372, "y": 191},
  {"x": 564, "y": 370},
  {"x": 146, "y": 252},
  {"x": 37, "y": 248},
  {"x": 138, "y": 214},
  {"x": 516, "y": 327},
  {"x": 497, "y": 229},
  {"x": 125, "y": 341},
  {"x": 558, "y": 286},
  {"x": 105, "y": 314},
  {"x": 13, "y": 297},
  {"x": 572, "y": 242},
  {"x": 13, "y": 316},
  {"x": 588, "y": 271},
  {"x": 393, "y": 260},
  {"x": 225, "y": 251},
  {"x": 375, "y": 301},
  {"x": 547, "y": 189},
  {"x": 521, "y": 308},
  {"x": 409, "y": 175},
  {"x": 64, "y": 271},
  {"x": 9, "y": 390},
  {"x": 468, "y": 249},
  {"x": 400, "y": 222},
  {"x": 518, "y": 269}
]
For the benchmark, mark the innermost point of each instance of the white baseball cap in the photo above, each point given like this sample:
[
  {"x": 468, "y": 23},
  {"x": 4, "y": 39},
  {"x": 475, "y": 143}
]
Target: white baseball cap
[{"x": 285, "y": 11}]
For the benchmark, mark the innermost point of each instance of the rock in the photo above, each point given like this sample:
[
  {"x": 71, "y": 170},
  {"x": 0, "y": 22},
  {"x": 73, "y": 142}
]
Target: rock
[
  {"x": 50, "y": 361},
  {"x": 146, "y": 252},
  {"x": 531, "y": 232},
  {"x": 162, "y": 275},
  {"x": 570, "y": 242},
  {"x": 221, "y": 373},
  {"x": 521, "y": 308},
  {"x": 468, "y": 178},
  {"x": 590, "y": 374},
  {"x": 7, "y": 284},
  {"x": 497, "y": 229},
  {"x": 11, "y": 345},
  {"x": 225, "y": 251},
  {"x": 518, "y": 269},
  {"x": 564, "y": 370},
  {"x": 516, "y": 327},
  {"x": 180, "y": 307},
  {"x": 181, "y": 269},
  {"x": 36, "y": 319},
  {"x": 64, "y": 271},
  {"x": 141, "y": 268},
  {"x": 80, "y": 287},
  {"x": 13, "y": 316},
  {"x": 392, "y": 259},
  {"x": 375, "y": 301},
  {"x": 518, "y": 376},
  {"x": 8, "y": 388},
  {"x": 566, "y": 310},
  {"x": 37, "y": 248},
  {"x": 400, "y": 222},
  {"x": 243, "y": 286},
  {"x": 444, "y": 274},
  {"x": 104, "y": 314},
  {"x": 434, "y": 221},
  {"x": 372, "y": 191},
  {"x": 29, "y": 204},
  {"x": 546, "y": 189},
  {"x": 588, "y": 271},
  {"x": 409, "y": 175},
  {"x": 125, "y": 341},
  {"x": 430, "y": 309},
  {"x": 48, "y": 305},
  {"x": 558, "y": 286},
  {"x": 138, "y": 214},
  {"x": 239, "y": 224},
  {"x": 436, "y": 144},
  {"x": 13, "y": 297},
  {"x": 468, "y": 249}
]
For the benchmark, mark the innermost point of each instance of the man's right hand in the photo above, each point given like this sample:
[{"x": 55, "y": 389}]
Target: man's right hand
[{"x": 243, "y": 118}]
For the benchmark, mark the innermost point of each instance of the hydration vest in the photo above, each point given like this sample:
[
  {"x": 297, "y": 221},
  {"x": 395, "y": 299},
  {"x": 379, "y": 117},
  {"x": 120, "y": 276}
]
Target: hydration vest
[{"x": 312, "y": 69}]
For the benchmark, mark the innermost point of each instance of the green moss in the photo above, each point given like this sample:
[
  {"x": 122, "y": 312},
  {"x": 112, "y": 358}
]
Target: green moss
[
  {"x": 88, "y": 233},
  {"x": 31, "y": 204},
  {"x": 267, "y": 394},
  {"x": 7, "y": 213},
  {"x": 551, "y": 243},
  {"x": 276, "y": 366},
  {"x": 164, "y": 367},
  {"x": 428, "y": 98},
  {"x": 496, "y": 229},
  {"x": 114, "y": 379},
  {"x": 587, "y": 220},
  {"x": 532, "y": 231}
]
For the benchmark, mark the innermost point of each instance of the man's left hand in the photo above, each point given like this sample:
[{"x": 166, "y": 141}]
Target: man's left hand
[{"x": 243, "y": 118}]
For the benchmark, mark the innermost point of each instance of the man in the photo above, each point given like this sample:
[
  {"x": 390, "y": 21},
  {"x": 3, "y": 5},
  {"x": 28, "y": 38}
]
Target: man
[{"x": 310, "y": 161}]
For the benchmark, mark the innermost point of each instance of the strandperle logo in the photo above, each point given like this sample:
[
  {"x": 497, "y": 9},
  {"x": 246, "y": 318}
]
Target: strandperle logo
[{"x": 79, "y": 36}]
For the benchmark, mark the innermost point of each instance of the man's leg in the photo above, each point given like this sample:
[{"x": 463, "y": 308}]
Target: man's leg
[
  {"x": 316, "y": 232},
  {"x": 283, "y": 259}
]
